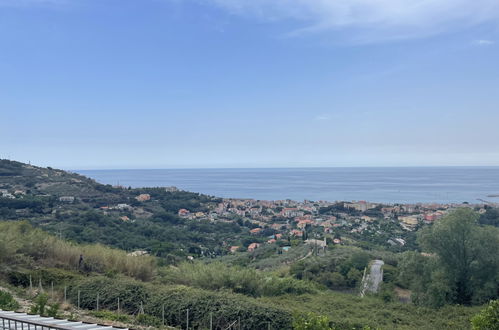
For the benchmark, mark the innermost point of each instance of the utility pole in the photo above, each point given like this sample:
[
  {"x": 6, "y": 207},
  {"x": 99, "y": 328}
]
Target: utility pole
[{"x": 163, "y": 314}]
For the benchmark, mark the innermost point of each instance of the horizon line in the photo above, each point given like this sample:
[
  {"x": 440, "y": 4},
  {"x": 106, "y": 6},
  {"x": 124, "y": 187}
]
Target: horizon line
[{"x": 274, "y": 167}]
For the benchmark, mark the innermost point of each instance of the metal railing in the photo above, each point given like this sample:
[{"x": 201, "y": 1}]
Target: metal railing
[{"x": 22, "y": 321}]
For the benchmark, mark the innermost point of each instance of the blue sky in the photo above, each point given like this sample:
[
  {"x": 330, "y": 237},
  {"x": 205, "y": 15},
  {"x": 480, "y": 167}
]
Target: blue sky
[{"x": 249, "y": 83}]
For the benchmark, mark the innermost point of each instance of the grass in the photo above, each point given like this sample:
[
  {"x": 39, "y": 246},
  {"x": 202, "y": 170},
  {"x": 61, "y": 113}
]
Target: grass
[
  {"x": 20, "y": 241},
  {"x": 348, "y": 311},
  {"x": 204, "y": 288},
  {"x": 218, "y": 276}
]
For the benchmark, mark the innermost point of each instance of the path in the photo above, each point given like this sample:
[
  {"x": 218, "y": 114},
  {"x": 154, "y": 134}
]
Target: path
[{"x": 371, "y": 282}]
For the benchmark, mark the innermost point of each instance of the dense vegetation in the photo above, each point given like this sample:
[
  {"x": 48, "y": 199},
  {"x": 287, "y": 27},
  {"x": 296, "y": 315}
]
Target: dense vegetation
[
  {"x": 92, "y": 217},
  {"x": 338, "y": 272},
  {"x": 462, "y": 267},
  {"x": 444, "y": 279},
  {"x": 226, "y": 293}
]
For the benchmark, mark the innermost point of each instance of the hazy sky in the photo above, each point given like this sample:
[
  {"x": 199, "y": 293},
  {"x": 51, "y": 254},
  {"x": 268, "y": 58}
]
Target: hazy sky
[{"x": 249, "y": 83}]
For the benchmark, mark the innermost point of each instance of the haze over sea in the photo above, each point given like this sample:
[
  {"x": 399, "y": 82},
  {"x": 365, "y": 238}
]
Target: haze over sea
[{"x": 376, "y": 184}]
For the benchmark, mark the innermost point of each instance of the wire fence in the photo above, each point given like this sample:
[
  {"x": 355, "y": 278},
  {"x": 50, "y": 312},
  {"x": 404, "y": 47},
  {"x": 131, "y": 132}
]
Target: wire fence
[{"x": 181, "y": 318}]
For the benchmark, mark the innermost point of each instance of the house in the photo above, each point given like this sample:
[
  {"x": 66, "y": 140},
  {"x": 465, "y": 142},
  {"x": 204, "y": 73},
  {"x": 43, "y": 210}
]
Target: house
[
  {"x": 400, "y": 241},
  {"x": 277, "y": 226},
  {"x": 408, "y": 208},
  {"x": 255, "y": 211},
  {"x": 183, "y": 213},
  {"x": 316, "y": 242},
  {"x": 143, "y": 197},
  {"x": 138, "y": 253},
  {"x": 253, "y": 246},
  {"x": 271, "y": 241},
  {"x": 303, "y": 223},
  {"x": 297, "y": 233},
  {"x": 278, "y": 236},
  {"x": 8, "y": 195},
  {"x": 361, "y": 206},
  {"x": 66, "y": 199},
  {"x": 409, "y": 222},
  {"x": 233, "y": 249},
  {"x": 291, "y": 212},
  {"x": 255, "y": 231},
  {"x": 367, "y": 218},
  {"x": 125, "y": 218},
  {"x": 123, "y": 206}
]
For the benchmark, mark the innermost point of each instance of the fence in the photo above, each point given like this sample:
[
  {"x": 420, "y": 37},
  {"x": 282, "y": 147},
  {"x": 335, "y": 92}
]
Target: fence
[
  {"x": 21, "y": 321},
  {"x": 182, "y": 318}
]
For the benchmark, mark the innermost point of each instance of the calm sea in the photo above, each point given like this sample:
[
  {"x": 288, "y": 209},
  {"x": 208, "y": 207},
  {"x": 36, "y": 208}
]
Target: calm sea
[{"x": 388, "y": 185}]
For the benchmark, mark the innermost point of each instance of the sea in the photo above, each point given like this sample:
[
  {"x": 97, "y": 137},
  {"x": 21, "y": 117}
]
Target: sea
[{"x": 376, "y": 184}]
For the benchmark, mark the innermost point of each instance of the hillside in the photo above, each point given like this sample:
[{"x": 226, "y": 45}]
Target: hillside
[
  {"x": 251, "y": 263},
  {"x": 35, "y": 264},
  {"x": 80, "y": 209}
]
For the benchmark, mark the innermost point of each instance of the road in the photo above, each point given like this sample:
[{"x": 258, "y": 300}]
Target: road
[{"x": 374, "y": 278}]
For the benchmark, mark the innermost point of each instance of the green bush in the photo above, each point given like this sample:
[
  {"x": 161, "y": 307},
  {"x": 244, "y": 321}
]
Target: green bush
[
  {"x": 488, "y": 318},
  {"x": 389, "y": 273},
  {"x": 148, "y": 320},
  {"x": 111, "y": 316},
  {"x": 42, "y": 307},
  {"x": 311, "y": 321},
  {"x": 225, "y": 307},
  {"x": 7, "y": 301},
  {"x": 130, "y": 292},
  {"x": 218, "y": 276},
  {"x": 18, "y": 278}
]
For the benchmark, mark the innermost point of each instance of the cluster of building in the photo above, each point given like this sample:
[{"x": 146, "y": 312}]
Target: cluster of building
[
  {"x": 287, "y": 218},
  {"x": 6, "y": 193}
]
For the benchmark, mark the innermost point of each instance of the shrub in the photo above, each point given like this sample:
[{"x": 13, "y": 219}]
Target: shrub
[
  {"x": 7, "y": 301},
  {"x": 50, "y": 251},
  {"x": 225, "y": 307},
  {"x": 310, "y": 321},
  {"x": 131, "y": 293},
  {"x": 148, "y": 320},
  {"x": 488, "y": 318},
  {"x": 218, "y": 276},
  {"x": 111, "y": 316},
  {"x": 40, "y": 306},
  {"x": 17, "y": 278}
]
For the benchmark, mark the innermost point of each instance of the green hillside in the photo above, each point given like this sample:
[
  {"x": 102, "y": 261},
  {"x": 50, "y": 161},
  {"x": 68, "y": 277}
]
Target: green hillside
[{"x": 126, "y": 257}]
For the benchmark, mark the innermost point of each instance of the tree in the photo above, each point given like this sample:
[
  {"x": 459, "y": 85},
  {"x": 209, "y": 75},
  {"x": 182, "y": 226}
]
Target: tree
[
  {"x": 467, "y": 262},
  {"x": 490, "y": 217},
  {"x": 487, "y": 319},
  {"x": 354, "y": 276}
]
